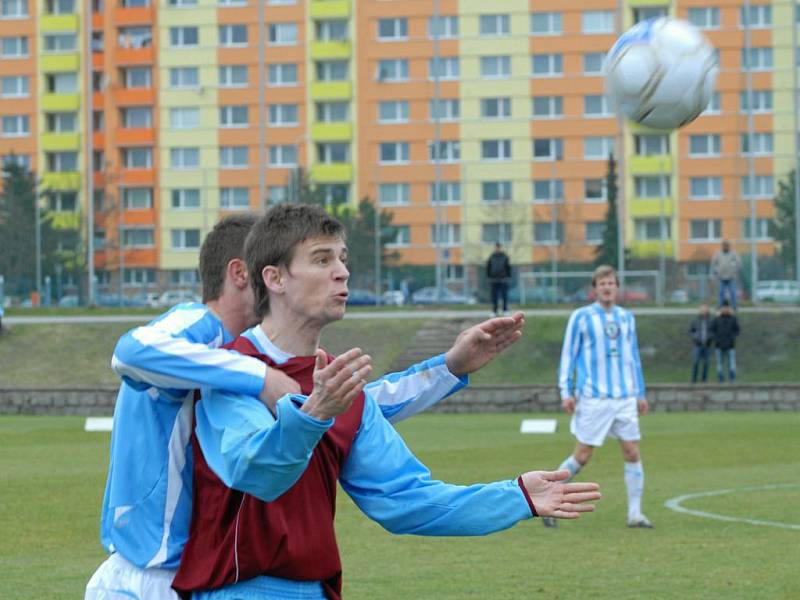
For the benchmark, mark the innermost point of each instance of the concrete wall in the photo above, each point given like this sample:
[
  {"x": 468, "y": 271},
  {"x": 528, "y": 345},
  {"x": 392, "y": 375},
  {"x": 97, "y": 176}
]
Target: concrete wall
[{"x": 478, "y": 399}]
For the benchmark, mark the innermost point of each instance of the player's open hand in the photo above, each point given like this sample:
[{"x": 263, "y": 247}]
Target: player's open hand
[
  {"x": 277, "y": 384},
  {"x": 551, "y": 498},
  {"x": 476, "y": 346},
  {"x": 337, "y": 384}
]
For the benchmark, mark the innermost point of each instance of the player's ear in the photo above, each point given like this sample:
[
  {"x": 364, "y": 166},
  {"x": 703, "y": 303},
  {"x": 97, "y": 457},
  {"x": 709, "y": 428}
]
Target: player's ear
[
  {"x": 237, "y": 272},
  {"x": 273, "y": 279}
]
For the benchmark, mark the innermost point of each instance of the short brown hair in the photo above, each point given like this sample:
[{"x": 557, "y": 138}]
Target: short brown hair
[
  {"x": 604, "y": 271},
  {"x": 274, "y": 237},
  {"x": 223, "y": 243}
]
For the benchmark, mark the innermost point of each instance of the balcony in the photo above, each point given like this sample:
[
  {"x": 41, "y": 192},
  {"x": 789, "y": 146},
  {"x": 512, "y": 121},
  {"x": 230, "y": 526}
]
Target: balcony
[
  {"x": 61, "y": 102},
  {"x": 651, "y": 248},
  {"x": 330, "y": 9},
  {"x": 54, "y": 142},
  {"x": 60, "y": 63},
  {"x": 660, "y": 163},
  {"x": 62, "y": 180},
  {"x": 330, "y": 50},
  {"x": 324, "y": 132},
  {"x": 331, "y": 173},
  {"x": 331, "y": 90},
  {"x": 52, "y": 23},
  {"x": 651, "y": 207}
]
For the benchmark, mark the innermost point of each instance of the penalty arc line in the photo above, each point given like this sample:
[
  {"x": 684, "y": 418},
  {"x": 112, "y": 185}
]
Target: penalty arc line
[{"x": 675, "y": 504}]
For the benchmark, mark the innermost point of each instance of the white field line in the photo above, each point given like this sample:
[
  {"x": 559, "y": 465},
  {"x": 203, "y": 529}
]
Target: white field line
[{"x": 675, "y": 504}]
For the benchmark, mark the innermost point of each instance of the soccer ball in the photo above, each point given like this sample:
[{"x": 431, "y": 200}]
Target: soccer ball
[{"x": 661, "y": 73}]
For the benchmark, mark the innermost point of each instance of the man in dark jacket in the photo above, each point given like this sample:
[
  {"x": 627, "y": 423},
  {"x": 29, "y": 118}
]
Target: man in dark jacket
[
  {"x": 724, "y": 329},
  {"x": 498, "y": 272},
  {"x": 701, "y": 336}
]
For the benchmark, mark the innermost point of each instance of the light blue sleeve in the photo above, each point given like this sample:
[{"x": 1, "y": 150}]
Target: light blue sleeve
[
  {"x": 406, "y": 393},
  {"x": 569, "y": 356},
  {"x": 392, "y": 487},
  {"x": 251, "y": 450},
  {"x": 637, "y": 361},
  {"x": 173, "y": 353}
]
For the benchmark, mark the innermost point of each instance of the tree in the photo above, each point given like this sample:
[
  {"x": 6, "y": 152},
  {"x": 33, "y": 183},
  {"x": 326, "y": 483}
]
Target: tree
[
  {"x": 607, "y": 252},
  {"x": 784, "y": 232},
  {"x": 18, "y": 228}
]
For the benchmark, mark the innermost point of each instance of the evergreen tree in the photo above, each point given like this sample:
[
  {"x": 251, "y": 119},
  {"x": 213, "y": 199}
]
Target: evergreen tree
[
  {"x": 784, "y": 231},
  {"x": 607, "y": 252},
  {"x": 18, "y": 229}
]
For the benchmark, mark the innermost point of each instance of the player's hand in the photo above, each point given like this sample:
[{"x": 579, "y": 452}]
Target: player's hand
[
  {"x": 551, "y": 498},
  {"x": 644, "y": 408},
  {"x": 277, "y": 384},
  {"x": 568, "y": 404},
  {"x": 337, "y": 384},
  {"x": 476, "y": 346}
]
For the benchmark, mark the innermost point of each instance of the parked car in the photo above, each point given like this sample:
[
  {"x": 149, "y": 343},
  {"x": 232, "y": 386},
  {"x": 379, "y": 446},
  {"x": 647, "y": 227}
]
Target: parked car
[
  {"x": 146, "y": 299},
  {"x": 392, "y": 298},
  {"x": 173, "y": 297},
  {"x": 679, "y": 297},
  {"x": 778, "y": 291},
  {"x": 428, "y": 295},
  {"x": 361, "y": 297},
  {"x": 69, "y": 301}
]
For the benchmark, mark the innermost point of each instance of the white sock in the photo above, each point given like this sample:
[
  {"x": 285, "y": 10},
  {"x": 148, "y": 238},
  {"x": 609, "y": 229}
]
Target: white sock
[
  {"x": 634, "y": 482},
  {"x": 571, "y": 465}
]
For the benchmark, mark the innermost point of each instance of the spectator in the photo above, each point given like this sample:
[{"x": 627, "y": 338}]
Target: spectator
[
  {"x": 724, "y": 329},
  {"x": 701, "y": 336},
  {"x": 725, "y": 267},
  {"x": 498, "y": 272},
  {"x": 2, "y": 314}
]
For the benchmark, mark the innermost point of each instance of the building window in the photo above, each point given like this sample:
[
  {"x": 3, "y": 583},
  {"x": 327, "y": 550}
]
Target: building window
[
  {"x": 548, "y": 191},
  {"x": 594, "y": 190},
  {"x": 14, "y": 47},
  {"x": 496, "y": 150},
  {"x": 546, "y": 65},
  {"x": 449, "y": 192},
  {"x": 137, "y": 77},
  {"x": 494, "y": 25},
  {"x": 13, "y": 9},
  {"x": 713, "y": 107},
  {"x": 333, "y": 152},
  {"x": 651, "y": 229},
  {"x": 548, "y": 149},
  {"x": 139, "y": 277},
  {"x": 445, "y": 68},
  {"x": 332, "y": 30},
  {"x": 282, "y": 34},
  {"x": 495, "y": 67},
  {"x": 496, "y": 232},
  {"x": 394, "y": 194},
  {"x": 184, "y": 158},
  {"x": 184, "y": 77},
  {"x": 393, "y": 152},
  {"x": 705, "y": 230},
  {"x": 138, "y": 237},
  {"x": 393, "y": 111},
  {"x": 280, "y": 115},
  {"x": 16, "y": 126},
  {"x": 184, "y": 117},
  {"x": 332, "y": 70},
  {"x": 757, "y": 59},
  {"x": 134, "y": 117},
  {"x": 762, "y": 101},
  {"x": 333, "y": 112},
  {"x": 282, "y": 74},
  {"x": 184, "y": 37},
  {"x": 759, "y": 16},
  {"x": 233, "y": 157},
  {"x": 447, "y": 151},
  {"x": 593, "y": 63},
  {"x": 235, "y": 76},
  {"x": 651, "y": 144},
  {"x": 62, "y": 83},
  {"x": 706, "y": 144},
  {"x": 443, "y": 27},
  {"x": 649, "y": 12},
  {"x": 598, "y": 148},
  {"x": 495, "y": 108},
  {"x": 594, "y": 231},
  {"x": 185, "y": 198},
  {"x": 277, "y": 194},
  {"x": 651, "y": 186},
  {"x": 184, "y": 277},
  {"x": 55, "y": 43},
  {"x": 597, "y": 21},
  {"x": 398, "y": 235},
  {"x": 705, "y": 188},
  {"x": 496, "y": 191},
  {"x": 233, "y": 36},
  {"x": 185, "y": 239},
  {"x": 60, "y": 162},
  {"x": 596, "y": 105},
  {"x": 63, "y": 201},
  {"x": 704, "y": 17},
  {"x": 547, "y": 107},
  {"x": 137, "y": 198},
  {"x": 546, "y": 23},
  {"x": 234, "y": 198},
  {"x": 763, "y": 229},
  {"x": 392, "y": 29},
  {"x": 21, "y": 160},
  {"x": 60, "y": 7},
  {"x": 446, "y": 234},
  {"x": 761, "y": 144},
  {"x": 391, "y": 70},
  {"x": 763, "y": 186},
  {"x": 548, "y": 233},
  {"x": 15, "y": 86},
  {"x": 173, "y": 3},
  {"x": 284, "y": 155},
  {"x": 62, "y": 122},
  {"x": 139, "y": 36},
  {"x": 447, "y": 109},
  {"x": 235, "y": 116}
]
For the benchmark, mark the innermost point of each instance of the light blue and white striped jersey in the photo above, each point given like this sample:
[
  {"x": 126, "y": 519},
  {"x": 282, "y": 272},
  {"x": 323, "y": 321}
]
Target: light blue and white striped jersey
[
  {"x": 601, "y": 352},
  {"x": 147, "y": 502}
]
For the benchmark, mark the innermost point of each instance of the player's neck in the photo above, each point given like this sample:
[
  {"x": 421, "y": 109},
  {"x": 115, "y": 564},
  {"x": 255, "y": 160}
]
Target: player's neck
[
  {"x": 606, "y": 306},
  {"x": 295, "y": 336},
  {"x": 232, "y": 317}
]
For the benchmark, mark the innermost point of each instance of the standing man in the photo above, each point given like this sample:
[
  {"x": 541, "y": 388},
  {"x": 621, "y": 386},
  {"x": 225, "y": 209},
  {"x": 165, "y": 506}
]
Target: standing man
[
  {"x": 498, "y": 272},
  {"x": 725, "y": 267},
  {"x": 701, "y": 336},
  {"x": 725, "y": 329},
  {"x": 602, "y": 387}
]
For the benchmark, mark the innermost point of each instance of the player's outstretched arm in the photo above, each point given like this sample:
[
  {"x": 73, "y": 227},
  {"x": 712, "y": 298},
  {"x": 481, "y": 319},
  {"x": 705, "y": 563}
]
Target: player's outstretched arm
[
  {"x": 478, "y": 345},
  {"x": 551, "y": 498}
]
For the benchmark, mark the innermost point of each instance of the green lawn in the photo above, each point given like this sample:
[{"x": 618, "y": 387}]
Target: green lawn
[{"x": 52, "y": 475}]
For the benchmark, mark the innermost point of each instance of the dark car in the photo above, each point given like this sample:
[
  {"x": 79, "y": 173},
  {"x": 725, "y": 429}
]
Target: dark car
[{"x": 361, "y": 297}]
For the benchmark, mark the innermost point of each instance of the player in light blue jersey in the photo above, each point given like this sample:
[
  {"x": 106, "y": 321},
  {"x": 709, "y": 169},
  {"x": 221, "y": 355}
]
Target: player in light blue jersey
[
  {"x": 601, "y": 385},
  {"x": 147, "y": 501}
]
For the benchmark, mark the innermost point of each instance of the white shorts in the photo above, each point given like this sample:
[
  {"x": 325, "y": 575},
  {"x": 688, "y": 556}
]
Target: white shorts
[
  {"x": 117, "y": 579},
  {"x": 596, "y": 418}
]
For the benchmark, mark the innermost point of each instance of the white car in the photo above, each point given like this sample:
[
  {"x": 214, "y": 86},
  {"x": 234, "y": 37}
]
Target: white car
[
  {"x": 173, "y": 297},
  {"x": 778, "y": 291}
]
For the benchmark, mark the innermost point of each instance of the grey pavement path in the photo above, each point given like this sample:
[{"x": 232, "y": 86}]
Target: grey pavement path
[{"x": 397, "y": 314}]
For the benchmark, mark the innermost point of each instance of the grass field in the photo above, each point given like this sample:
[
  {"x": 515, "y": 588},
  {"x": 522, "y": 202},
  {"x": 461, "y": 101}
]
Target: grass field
[{"x": 52, "y": 475}]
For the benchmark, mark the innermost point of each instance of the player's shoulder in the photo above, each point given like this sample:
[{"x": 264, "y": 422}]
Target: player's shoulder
[{"x": 188, "y": 318}]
